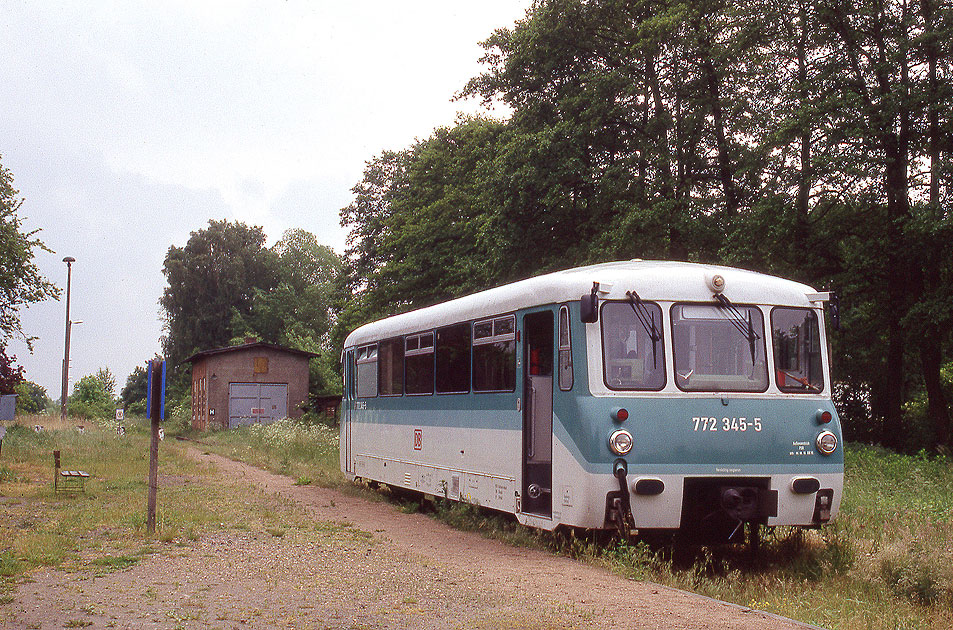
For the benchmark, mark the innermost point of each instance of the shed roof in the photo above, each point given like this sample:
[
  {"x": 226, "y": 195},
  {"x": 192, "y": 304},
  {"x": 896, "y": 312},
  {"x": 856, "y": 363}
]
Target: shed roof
[{"x": 249, "y": 346}]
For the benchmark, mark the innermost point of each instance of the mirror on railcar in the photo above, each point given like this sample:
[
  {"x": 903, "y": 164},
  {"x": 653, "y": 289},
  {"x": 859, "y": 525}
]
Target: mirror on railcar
[
  {"x": 833, "y": 308},
  {"x": 589, "y": 306}
]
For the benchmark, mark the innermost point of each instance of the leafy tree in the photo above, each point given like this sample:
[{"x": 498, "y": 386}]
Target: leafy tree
[
  {"x": 210, "y": 279},
  {"x": 20, "y": 281},
  {"x": 299, "y": 305},
  {"x": 298, "y": 311},
  {"x": 419, "y": 223},
  {"x": 11, "y": 374},
  {"x": 136, "y": 387},
  {"x": 91, "y": 397},
  {"x": 800, "y": 137},
  {"x": 32, "y": 398},
  {"x": 106, "y": 380}
]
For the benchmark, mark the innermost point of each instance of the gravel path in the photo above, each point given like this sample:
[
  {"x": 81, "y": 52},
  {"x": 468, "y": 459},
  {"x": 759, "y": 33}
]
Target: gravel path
[{"x": 363, "y": 565}]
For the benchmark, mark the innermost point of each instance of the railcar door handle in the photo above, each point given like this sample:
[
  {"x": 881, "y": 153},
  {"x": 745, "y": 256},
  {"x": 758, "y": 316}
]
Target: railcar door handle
[{"x": 531, "y": 414}]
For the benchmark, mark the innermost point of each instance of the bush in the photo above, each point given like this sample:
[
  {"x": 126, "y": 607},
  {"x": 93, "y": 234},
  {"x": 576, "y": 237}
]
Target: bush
[{"x": 178, "y": 416}]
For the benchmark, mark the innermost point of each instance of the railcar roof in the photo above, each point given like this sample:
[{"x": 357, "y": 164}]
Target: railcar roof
[{"x": 652, "y": 279}]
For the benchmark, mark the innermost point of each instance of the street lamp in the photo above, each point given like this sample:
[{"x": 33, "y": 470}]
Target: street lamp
[{"x": 69, "y": 260}]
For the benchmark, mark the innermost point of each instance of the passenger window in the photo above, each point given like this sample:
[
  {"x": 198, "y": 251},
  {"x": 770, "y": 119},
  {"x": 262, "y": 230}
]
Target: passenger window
[
  {"x": 453, "y": 359},
  {"x": 418, "y": 363},
  {"x": 494, "y": 355},
  {"x": 367, "y": 371},
  {"x": 390, "y": 365},
  {"x": 565, "y": 350}
]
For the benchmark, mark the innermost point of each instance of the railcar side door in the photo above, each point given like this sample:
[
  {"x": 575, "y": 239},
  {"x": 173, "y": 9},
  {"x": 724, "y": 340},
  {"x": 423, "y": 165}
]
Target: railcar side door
[
  {"x": 538, "y": 354},
  {"x": 346, "y": 411}
]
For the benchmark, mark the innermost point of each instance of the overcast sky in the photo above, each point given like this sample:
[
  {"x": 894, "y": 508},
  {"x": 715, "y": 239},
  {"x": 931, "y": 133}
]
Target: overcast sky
[{"x": 128, "y": 125}]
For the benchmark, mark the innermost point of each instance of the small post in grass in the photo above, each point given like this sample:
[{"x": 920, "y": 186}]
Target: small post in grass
[{"x": 155, "y": 410}]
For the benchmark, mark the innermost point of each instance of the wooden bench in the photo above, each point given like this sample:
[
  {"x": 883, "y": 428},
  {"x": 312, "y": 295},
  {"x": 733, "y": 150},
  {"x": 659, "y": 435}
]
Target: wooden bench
[{"x": 67, "y": 480}]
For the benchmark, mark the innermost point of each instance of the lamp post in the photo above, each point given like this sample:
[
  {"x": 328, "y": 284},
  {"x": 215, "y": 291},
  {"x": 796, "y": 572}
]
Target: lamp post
[{"x": 69, "y": 260}]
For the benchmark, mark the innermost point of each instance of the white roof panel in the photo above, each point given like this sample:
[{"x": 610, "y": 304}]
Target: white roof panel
[{"x": 653, "y": 280}]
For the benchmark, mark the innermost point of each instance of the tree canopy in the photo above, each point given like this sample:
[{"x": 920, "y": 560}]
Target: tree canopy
[
  {"x": 225, "y": 285},
  {"x": 93, "y": 396},
  {"x": 31, "y": 398},
  {"x": 809, "y": 139},
  {"x": 212, "y": 277},
  {"x": 21, "y": 283}
]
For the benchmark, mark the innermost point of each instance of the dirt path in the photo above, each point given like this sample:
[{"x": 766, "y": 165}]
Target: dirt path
[{"x": 363, "y": 565}]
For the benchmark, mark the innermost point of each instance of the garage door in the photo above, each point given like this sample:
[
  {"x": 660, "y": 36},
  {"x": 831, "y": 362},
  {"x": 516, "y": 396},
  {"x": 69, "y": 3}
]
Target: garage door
[{"x": 251, "y": 403}]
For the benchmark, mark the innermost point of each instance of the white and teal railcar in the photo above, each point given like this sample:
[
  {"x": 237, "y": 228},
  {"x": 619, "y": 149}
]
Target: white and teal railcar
[{"x": 653, "y": 395}]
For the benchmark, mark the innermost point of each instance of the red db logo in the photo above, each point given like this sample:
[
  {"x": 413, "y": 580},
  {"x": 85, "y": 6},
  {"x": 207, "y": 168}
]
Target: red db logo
[{"x": 418, "y": 439}]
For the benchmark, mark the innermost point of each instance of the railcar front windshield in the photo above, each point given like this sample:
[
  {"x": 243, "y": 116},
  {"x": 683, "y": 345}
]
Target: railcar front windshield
[
  {"x": 719, "y": 349},
  {"x": 633, "y": 346}
]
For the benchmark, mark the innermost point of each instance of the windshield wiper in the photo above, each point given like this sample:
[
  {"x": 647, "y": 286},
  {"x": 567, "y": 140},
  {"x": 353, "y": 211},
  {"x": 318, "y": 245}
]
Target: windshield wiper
[
  {"x": 737, "y": 320},
  {"x": 647, "y": 319}
]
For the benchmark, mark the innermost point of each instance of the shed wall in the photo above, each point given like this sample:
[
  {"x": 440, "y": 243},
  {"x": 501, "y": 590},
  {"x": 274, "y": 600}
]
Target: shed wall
[{"x": 238, "y": 366}]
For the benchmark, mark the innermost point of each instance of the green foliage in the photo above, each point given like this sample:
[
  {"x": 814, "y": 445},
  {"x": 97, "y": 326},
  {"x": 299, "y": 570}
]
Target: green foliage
[
  {"x": 92, "y": 396},
  {"x": 135, "y": 390},
  {"x": 805, "y": 139},
  {"x": 214, "y": 276},
  {"x": 11, "y": 375},
  {"x": 20, "y": 281},
  {"x": 178, "y": 415},
  {"x": 284, "y": 295},
  {"x": 299, "y": 306},
  {"x": 31, "y": 398},
  {"x": 418, "y": 223}
]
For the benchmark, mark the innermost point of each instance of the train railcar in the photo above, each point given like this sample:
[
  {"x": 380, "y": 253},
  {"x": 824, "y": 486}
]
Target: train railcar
[{"x": 642, "y": 394}]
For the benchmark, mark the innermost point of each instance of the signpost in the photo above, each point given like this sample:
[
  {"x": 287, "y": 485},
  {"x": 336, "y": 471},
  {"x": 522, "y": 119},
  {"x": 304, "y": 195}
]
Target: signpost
[{"x": 155, "y": 410}]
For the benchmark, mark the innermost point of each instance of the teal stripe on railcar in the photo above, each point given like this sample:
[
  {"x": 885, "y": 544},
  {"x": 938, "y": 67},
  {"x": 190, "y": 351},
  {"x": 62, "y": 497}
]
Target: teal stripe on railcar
[
  {"x": 497, "y": 410},
  {"x": 665, "y": 432}
]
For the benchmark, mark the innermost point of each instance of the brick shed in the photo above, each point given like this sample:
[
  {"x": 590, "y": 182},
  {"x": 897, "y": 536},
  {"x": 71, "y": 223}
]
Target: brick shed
[{"x": 255, "y": 382}]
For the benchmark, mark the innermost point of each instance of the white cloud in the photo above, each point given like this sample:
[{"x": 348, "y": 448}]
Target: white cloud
[{"x": 127, "y": 125}]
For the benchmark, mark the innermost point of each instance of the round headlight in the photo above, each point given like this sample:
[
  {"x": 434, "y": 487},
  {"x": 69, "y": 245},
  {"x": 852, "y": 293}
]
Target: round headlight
[
  {"x": 826, "y": 442},
  {"x": 620, "y": 442}
]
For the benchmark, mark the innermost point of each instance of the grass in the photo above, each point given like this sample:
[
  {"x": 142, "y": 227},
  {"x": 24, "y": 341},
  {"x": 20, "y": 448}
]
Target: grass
[
  {"x": 305, "y": 452},
  {"x": 886, "y": 561},
  {"x": 104, "y": 528}
]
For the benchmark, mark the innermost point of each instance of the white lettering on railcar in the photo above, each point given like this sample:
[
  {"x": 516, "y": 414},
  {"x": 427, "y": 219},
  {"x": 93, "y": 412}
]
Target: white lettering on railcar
[
  {"x": 801, "y": 449},
  {"x": 722, "y": 423}
]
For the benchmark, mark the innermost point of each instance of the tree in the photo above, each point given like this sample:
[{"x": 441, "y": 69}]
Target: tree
[
  {"x": 11, "y": 374},
  {"x": 135, "y": 389},
  {"x": 91, "y": 397},
  {"x": 209, "y": 280},
  {"x": 20, "y": 281},
  {"x": 298, "y": 311},
  {"x": 299, "y": 305},
  {"x": 418, "y": 224},
  {"x": 31, "y": 398}
]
